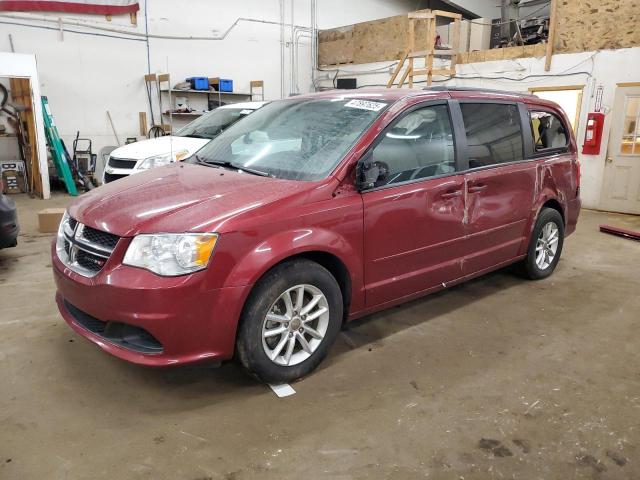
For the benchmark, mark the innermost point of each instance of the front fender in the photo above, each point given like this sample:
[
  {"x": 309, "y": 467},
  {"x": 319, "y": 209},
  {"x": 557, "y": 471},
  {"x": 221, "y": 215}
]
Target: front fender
[{"x": 287, "y": 244}]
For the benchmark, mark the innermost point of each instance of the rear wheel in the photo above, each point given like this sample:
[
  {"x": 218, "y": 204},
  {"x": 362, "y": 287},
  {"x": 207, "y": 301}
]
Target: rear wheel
[
  {"x": 545, "y": 245},
  {"x": 291, "y": 318}
]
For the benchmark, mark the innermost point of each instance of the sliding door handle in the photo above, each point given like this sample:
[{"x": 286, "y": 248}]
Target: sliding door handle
[{"x": 477, "y": 187}]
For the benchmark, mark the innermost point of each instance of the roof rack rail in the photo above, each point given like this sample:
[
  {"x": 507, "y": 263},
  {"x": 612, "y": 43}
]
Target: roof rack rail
[{"x": 444, "y": 88}]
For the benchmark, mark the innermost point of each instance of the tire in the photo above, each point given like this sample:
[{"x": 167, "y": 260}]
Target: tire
[
  {"x": 260, "y": 338},
  {"x": 542, "y": 240}
]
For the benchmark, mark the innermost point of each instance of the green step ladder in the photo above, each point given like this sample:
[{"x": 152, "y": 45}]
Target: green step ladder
[{"x": 57, "y": 149}]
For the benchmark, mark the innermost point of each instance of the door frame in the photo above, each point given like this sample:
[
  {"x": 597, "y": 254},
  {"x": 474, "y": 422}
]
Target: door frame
[{"x": 19, "y": 65}]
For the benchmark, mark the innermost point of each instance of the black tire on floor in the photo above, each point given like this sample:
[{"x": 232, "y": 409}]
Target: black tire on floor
[
  {"x": 249, "y": 346},
  {"x": 528, "y": 266}
]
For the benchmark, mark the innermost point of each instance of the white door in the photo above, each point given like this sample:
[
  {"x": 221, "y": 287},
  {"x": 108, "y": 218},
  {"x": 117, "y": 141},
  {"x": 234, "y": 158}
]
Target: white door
[{"x": 621, "y": 188}]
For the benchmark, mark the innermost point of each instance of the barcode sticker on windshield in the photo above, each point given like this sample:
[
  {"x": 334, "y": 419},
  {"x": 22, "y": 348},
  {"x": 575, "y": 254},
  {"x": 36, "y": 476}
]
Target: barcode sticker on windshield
[
  {"x": 246, "y": 111},
  {"x": 365, "y": 105}
]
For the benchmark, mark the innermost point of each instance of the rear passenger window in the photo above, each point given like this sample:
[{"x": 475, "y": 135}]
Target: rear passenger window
[
  {"x": 494, "y": 134},
  {"x": 548, "y": 131},
  {"x": 419, "y": 145}
]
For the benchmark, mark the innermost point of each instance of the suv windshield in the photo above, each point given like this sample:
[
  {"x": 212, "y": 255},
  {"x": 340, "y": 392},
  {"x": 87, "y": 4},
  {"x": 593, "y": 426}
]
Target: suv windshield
[
  {"x": 295, "y": 139},
  {"x": 211, "y": 124}
]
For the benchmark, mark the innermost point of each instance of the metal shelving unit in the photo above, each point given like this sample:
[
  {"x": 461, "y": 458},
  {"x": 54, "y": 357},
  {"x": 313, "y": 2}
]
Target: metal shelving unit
[
  {"x": 208, "y": 92},
  {"x": 185, "y": 114},
  {"x": 164, "y": 87},
  {"x": 212, "y": 94}
]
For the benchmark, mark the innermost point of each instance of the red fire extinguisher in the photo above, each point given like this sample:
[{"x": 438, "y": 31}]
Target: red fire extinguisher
[{"x": 593, "y": 134}]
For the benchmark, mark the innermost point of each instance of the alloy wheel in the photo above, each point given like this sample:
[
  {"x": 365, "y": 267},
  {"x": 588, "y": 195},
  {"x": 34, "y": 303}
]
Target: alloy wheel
[
  {"x": 295, "y": 325},
  {"x": 547, "y": 245}
]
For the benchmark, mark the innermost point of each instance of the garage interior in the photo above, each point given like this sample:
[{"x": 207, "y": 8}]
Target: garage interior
[{"x": 498, "y": 377}]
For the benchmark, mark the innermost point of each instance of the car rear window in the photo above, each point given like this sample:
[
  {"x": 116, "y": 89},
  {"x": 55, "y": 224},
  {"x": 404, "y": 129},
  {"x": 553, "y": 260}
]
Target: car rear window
[
  {"x": 548, "y": 131},
  {"x": 494, "y": 133}
]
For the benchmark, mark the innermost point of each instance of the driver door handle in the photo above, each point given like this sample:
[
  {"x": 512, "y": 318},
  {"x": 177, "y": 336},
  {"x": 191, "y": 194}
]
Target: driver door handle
[{"x": 451, "y": 194}]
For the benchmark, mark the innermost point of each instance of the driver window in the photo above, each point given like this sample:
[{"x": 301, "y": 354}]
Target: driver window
[{"x": 419, "y": 145}]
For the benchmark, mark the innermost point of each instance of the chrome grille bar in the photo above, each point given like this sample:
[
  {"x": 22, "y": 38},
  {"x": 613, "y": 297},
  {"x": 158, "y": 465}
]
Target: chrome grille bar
[{"x": 76, "y": 242}]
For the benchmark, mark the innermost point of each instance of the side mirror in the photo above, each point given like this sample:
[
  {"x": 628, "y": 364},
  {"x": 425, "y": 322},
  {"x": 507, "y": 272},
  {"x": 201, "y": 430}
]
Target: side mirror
[{"x": 369, "y": 172}]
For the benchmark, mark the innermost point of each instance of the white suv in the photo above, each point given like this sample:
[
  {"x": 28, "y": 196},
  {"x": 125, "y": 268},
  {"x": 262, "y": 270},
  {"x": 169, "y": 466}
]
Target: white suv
[{"x": 140, "y": 156}]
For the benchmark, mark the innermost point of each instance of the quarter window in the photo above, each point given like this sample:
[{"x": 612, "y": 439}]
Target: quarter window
[
  {"x": 548, "y": 131},
  {"x": 494, "y": 134},
  {"x": 419, "y": 145}
]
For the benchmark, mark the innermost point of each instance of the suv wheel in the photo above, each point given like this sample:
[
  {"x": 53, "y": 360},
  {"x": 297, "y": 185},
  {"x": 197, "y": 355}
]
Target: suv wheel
[
  {"x": 290, "y": 321},
  {"x": 545, "y": 245}
]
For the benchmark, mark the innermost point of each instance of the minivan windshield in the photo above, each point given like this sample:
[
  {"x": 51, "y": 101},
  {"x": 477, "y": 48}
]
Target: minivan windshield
[
  {"x": 295, "y": 139},
  {"x": 211, "y": 124}
]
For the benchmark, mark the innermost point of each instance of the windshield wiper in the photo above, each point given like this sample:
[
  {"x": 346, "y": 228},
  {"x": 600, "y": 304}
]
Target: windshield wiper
[{"x": 232, "y": 165}]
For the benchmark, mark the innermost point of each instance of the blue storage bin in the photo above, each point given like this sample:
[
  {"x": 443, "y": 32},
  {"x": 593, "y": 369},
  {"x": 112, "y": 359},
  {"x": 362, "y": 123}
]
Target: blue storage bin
[
  {"x": 199, "y": 83},
  {"x": 226, "y": 85}
]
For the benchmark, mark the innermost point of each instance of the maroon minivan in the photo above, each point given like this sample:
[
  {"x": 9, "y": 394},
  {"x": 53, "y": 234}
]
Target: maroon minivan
[{"x": 311, "y": 212}]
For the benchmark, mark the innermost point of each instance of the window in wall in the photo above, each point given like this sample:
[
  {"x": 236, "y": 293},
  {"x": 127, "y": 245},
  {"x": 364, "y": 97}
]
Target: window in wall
[
  {"x": 631, "y": 130},
  {"x": 494, "y": 134},
  {"x": 548, "y": 131},
  {"x": 419, "y": 145}
]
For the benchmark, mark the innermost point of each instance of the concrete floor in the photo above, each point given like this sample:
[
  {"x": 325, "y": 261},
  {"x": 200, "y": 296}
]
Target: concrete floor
[{"x": 498, "y": 378}]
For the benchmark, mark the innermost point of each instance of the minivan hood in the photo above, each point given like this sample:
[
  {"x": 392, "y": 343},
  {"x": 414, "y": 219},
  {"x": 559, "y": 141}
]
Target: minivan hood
[
  {"x": 159, "y": 146},
  {"x": 180, "y": 197}
]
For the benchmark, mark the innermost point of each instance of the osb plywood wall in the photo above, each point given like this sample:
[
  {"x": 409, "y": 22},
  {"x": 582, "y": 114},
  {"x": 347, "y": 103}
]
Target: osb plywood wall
[
  {"x": 586, "y": 25},
  {"x": 366, "y": 42},
  {"x": 583, "y": 25}
]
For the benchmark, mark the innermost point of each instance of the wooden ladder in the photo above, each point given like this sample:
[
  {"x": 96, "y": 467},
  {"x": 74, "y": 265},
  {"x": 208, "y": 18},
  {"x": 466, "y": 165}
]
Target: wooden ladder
[{"x": 410, "y": 72}]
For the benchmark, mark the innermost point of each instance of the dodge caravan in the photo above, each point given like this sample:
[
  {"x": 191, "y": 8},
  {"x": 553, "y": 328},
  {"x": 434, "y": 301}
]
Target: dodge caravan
[{"x": 311, "y": 212}]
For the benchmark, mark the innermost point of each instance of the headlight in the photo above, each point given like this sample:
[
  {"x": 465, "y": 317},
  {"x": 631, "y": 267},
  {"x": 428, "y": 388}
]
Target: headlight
[
  {"x": 171, "y": 254},
  {"x": 64, "y": 222},
  {"x": 161, "y": 160}
]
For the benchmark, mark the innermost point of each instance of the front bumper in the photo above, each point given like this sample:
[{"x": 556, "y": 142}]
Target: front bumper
[
  {"x": 111, "y": 174},
  {"x": 191, "y": 323},
  {"x": 9, "y": 228}
]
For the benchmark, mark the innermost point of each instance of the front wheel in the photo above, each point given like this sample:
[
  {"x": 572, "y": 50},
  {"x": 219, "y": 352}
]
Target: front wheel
[
  {"x": 290, "y": 321},
  {"x": 545, "y": 245}
]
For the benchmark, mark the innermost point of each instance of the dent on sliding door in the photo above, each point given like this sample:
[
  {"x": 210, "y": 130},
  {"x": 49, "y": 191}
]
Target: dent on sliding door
[{"x": 500, "y": 187}]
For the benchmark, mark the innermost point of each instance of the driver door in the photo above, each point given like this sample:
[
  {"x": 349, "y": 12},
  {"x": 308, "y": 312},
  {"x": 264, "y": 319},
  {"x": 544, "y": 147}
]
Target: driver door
[{"x": 413, "y": 213}]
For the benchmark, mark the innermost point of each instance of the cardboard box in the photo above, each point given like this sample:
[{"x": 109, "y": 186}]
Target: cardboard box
[{"x": 49, "y": 219}]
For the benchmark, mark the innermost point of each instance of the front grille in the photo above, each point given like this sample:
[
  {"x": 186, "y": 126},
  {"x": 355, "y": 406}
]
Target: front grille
[
  {"x": 105, "y": 239},
  {"x": 85, "y": 250},
  {"x": 111, "y": 177},
  {"x": 122, "y": 163},
  {"x": 127, "y": 336},
  {"x": 89, "y": 261}
]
